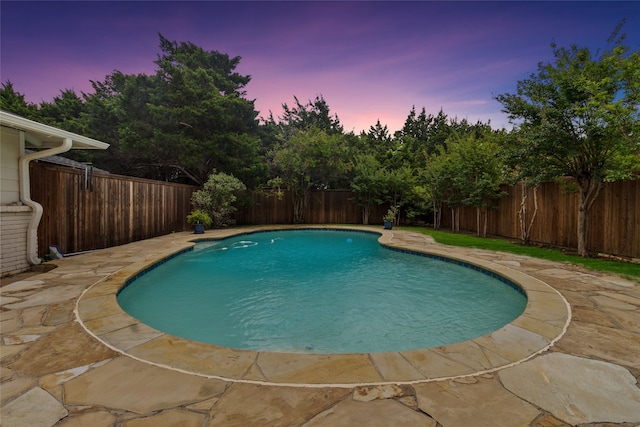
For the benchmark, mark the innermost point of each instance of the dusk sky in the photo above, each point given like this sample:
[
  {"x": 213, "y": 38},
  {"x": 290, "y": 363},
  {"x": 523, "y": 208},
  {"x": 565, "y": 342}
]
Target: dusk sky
[{"x": 370, "y": 60}]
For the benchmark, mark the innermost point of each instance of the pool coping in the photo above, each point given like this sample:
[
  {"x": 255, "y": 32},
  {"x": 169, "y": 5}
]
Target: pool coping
[{"x": 543, "y": 322}]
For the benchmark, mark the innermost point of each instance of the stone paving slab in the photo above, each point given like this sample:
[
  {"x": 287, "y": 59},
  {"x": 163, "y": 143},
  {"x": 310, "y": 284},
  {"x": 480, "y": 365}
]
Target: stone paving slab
[
  {"x": 556, "y": 383},
  {"x": 194, "y": 356},
  {"x": 435, "y": 365},
  {"x": 178, "y": 418},
  {"x": 513, "y": 342},
  {"x": 634, "y": 300},
  {"x": 104, "y": 325},
  {"x": 53, "y": 367},
  {"x": 15, "y": 386},
  {"x": 315, "y": 368},
  {"x": 395, "y": 366},
  {"x": 483, "y": 402},
  {"x": 66, "y": 347},
  {"x": 90, "y": 419},
  {"x": 45, "y": 296},
  {"x": 257, "y": 405},
  {"x": 22, "y": 285},
  {"x": 138, "y": 387},
  {"x": 35, "y": 408},
  {"x": 609, "y": 344},
  {"x": 473, "y": 355},
  {"x": 381, "y": 413}
]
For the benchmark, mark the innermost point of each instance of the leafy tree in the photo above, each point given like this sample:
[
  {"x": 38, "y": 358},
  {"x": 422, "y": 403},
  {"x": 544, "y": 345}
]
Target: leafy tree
[
  {"x": 218, "y": 196},
  {"x": 579, "y": 118},
  {"x": 525, "y": 172},
  {"x": 443, "y": 174},
  {"x": 369, "y": 184},
  {"x": 435, "y": 182},
  {"x": 478, "y": 176},
  {"x": 308, "y": 159},
  {"x": 399, "y": 188}
]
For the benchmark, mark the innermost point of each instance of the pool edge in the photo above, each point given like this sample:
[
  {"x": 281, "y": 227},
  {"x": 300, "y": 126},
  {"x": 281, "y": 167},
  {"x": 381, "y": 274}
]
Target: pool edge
[{"x": 543, "y": 322}]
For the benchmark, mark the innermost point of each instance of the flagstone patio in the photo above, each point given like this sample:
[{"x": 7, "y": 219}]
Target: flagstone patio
[{"x": 71, "y": 357}]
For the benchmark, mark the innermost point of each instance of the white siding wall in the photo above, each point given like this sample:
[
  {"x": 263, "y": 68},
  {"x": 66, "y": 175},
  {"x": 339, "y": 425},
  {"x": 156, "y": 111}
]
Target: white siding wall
[
  {"x": 14, "y": 221},
  {"x": 14, "y": 218},
  {"x": 10, "y": 151}
]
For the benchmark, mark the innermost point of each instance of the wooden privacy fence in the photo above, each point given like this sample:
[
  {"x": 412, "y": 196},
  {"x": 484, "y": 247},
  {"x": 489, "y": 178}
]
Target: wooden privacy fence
[
  {"x": 124, "y": 209},
  {"x": 118, "y": 210},
  {"x": 614, "y": 219},
  {"x": 324, "y": 207}
]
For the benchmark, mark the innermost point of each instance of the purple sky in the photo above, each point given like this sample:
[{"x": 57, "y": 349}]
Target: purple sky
[{"x": 370, "y": 60}]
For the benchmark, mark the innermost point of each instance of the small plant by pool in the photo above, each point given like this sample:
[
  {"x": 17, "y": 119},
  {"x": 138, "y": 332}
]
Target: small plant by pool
[{"x": 318, "y": 291}]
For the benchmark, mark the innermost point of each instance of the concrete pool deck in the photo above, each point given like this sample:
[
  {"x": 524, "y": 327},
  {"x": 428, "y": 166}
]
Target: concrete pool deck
[{"x": 71, "y": 356}]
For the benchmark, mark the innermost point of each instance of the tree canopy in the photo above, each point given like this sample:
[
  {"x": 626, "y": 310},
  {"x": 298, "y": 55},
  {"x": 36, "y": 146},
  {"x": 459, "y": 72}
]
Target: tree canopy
[
  {"x": 313, "y": 114},
  {"x": 308, "y": 159},
  {"x": 578, "y": 117}
]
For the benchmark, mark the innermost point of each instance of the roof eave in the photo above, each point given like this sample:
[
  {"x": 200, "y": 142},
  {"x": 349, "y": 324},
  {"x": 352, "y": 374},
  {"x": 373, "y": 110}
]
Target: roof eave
[{"x": 40, "y": 135}]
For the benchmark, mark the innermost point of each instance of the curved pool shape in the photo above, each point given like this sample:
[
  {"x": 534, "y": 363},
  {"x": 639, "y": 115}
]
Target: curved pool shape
[{"x": 319, "y": 291}]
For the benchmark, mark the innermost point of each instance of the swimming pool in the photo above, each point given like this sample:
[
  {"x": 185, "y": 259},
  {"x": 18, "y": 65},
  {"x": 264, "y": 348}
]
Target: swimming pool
[{"x": 318, "y": 291}]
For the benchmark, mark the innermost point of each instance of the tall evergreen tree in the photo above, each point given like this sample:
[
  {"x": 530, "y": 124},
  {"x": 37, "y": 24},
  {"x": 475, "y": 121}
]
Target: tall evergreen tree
[
  {"x": 14, "y": 102},
  {"x": 196, "y": 118},
  {"x": 313, "y": 114}
]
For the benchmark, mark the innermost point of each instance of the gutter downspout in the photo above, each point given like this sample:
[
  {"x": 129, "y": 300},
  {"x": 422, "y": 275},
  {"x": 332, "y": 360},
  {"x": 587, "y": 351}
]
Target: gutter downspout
[{"x": 25, "y": 194}]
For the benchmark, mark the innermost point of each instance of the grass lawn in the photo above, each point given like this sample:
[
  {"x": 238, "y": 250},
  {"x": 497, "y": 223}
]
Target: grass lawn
[{"x": 626, "y": 269}]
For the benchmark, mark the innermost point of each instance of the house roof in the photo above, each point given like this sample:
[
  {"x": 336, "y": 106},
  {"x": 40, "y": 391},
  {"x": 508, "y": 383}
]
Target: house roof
[
  {"x": 63, "y": 161},
  {"x": 39, "y": 135}
]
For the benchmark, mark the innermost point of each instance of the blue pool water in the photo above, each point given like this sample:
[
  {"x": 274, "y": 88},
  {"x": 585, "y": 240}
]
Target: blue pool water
[{"x": 318, "y": 291}]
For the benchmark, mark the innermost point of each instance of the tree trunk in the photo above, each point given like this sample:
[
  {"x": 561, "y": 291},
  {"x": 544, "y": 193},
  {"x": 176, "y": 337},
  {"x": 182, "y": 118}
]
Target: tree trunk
[
  {"x": 486, "y": 218},
  {"x": 477, "y": 221},
  {"x": 589, "y": 191},
  {"x": 455, "y": 219},
  {"x": 522, "y": 214},
  {"x": 299, "y": 206},
  {"x": 366, "y": 212},
  {"x": 525, "y": 222}
]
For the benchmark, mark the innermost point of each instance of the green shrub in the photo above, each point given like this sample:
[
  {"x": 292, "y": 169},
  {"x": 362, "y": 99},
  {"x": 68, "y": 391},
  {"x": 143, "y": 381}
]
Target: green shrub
[{"x": 217, "y": 197}]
